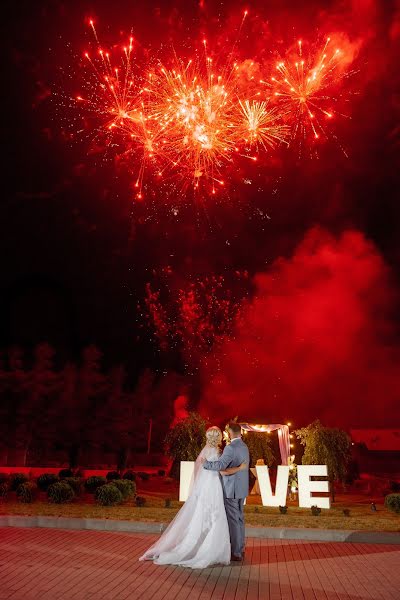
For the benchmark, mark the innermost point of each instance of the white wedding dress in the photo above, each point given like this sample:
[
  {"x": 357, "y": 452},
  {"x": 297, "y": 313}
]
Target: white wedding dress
[{"x": 198, "y": 536}]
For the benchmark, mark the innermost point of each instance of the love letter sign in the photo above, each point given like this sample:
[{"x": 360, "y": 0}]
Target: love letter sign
[
  {"x": 306, "y": 486},
  {"x": 305, "y": 474}
]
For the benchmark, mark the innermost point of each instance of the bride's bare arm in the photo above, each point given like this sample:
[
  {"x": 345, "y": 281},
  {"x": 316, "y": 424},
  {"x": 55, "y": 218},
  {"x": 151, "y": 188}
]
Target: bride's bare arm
[{"x": 233, "y": 470}]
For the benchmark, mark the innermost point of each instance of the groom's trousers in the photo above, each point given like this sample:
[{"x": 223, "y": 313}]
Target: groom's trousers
[{"x": 234, "y": 513}]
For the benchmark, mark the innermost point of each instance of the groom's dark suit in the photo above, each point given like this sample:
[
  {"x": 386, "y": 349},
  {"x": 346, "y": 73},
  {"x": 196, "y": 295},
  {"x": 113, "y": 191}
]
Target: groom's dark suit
[{"x": 236, "y": 488}]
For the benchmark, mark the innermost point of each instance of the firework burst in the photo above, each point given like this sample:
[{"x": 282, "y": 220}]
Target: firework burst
[
  {"x": 196, "y": 113},
  {"x": 262, "y": 125},
  {"x": 305, "y": 87},
  {"x": 194, "y": 122}
]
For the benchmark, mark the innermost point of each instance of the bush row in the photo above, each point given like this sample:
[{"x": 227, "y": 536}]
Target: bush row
[
  {"x": 47, "y": 479},
  {"x": 61, "y": 490}
]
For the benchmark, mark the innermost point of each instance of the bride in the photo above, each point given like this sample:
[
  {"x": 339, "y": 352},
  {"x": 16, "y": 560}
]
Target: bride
[{"x": 198, "y": 536}]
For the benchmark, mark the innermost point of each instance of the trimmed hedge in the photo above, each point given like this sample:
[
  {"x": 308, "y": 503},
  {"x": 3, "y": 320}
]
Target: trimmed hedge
[
  {"x": 113, "y": 475},
  {"x": 45, "y": 480},
  {"x": 140, "y": 501},
  {"x": 94, "y": 482},
  {"x": 16, "y": 479},
  {"x": 65, "y": 473},
  {"x": 131, "y": 475},
  {"x": 27, "y": 492},
  {"x": 4, "y": 477},
  {"x": 392, "y": 502},
  {"x": 144, "y": 476},
  {"x": 126, "y": 487},
  {"x": 76, "y": 483},
  {"x": 3, "y": 490},
  {"x": 60, "y": 493},
  {"x": 108, "y": 495}
]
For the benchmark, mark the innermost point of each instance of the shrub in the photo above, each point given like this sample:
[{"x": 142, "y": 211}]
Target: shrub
[
  {"x": 161, "y": 472},
  {"x": 60, "y": 492},
  {"x": 131, "y": 475},
  {"x": 283, "y": 510},
  {"x": 315, "y": 511},
  {"x": 346, "y": 512},
  {"x": 144, "y": 476},
  {"x": 112, "y": 475},
  {"x": 4, "y": 477},
  {"x": 94, "y": 482},
  {"x": 395, "y": 487},
  {"x": 27, "y": 492},
  {"x": 16, "y": 479},
  {"x": 76, "y": 484},
  {"x": 45, "y": 480},
  {"x": 392, "y": 502},
  {"x": 185, "y": 440},
  {"x": 126, "y": 487},
  {"x": 167, "y": 502},
  {"x": 3, "y": 490},
  {"x": 140, "y": 501},
  {"x": 65, "y": 473},
  {"x": 108, "y": 495}
]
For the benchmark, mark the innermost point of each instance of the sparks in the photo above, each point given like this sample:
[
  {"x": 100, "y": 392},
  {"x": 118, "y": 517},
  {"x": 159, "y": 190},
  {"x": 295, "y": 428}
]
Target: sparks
[{"x": 304, "y": 88}]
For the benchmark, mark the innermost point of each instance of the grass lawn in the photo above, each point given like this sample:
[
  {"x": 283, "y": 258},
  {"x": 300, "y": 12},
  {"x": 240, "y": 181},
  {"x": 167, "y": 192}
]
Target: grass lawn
[{"x": 361, "y": 516}]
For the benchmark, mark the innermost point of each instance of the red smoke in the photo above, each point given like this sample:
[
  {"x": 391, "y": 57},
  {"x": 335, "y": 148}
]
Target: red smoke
[{"x": 317, "y": 341}]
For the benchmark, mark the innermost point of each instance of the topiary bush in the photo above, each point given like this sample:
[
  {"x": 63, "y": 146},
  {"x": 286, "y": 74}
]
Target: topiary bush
[
  {"x": 45, "y": 480},
  {"x": 94, "y": 482},
  {"x": 315, "y": 510},
  {"x": 27, "y": 492},
  {"x": 131, "y": 475},
  {"x": 3, "y": 490},
  {"x": 283, "y": 510},
  {"x": 16, "y": 479},
  {"x": 161, "y": 473},
  {"x": 144, "y": 476},
  {"x": 108, "y": 495},
  {"x": 65, "y": 473},
  {"x": 4, "y": 477},
  {"x": 112, "y": 475},
  {"x": 76, "y": 483},
  {"x": 126, "y": 487},
  {"x": 140, "y": 501},
  {"x": 392, "y": 502},
  {"x": 60, "y": 493}
]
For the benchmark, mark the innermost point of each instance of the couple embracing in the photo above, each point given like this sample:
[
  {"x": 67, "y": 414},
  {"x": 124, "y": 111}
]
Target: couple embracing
[{"x": 209, "y": 528}]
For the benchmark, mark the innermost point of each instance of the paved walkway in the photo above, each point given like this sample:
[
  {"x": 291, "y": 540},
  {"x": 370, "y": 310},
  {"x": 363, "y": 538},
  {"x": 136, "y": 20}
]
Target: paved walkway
[{"x": 87, "y": 565}]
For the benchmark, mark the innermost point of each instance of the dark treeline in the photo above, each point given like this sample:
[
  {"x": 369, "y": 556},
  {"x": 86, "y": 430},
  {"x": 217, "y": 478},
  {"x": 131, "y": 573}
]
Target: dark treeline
[{"x": 78, "y": 414}]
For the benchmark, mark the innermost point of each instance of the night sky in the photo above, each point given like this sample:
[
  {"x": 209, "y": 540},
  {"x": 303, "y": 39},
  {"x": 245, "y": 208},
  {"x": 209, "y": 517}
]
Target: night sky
[{"x": 316, "y": 239}]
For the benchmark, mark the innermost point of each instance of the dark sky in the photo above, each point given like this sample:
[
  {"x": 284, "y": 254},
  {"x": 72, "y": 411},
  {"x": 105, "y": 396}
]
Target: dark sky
[{"x": 76, "y": 251}]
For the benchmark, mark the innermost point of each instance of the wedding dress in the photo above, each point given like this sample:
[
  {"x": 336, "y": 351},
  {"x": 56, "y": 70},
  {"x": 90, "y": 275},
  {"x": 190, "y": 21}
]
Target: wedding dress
[{"x": 198, "y": 536}]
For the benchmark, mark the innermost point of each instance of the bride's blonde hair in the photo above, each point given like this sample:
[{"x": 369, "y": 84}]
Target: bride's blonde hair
[{"x": 213, "y": 436}]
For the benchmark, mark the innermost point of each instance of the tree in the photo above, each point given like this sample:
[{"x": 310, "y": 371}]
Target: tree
[
  {"x": 185, "y": 440},
  {"x": 259, "y": 445},
  {"x": 91, "y": 388},
  {"x": 42, "y": 391},
  {"x": 326, "y": 446}
]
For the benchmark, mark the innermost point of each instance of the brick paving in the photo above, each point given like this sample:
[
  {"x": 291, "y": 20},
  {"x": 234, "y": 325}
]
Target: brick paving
[{"x": 48, "y": 564}]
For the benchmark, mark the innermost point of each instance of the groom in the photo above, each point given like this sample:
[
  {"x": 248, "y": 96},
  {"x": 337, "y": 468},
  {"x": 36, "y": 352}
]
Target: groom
[{"x": 236, "y": 487}]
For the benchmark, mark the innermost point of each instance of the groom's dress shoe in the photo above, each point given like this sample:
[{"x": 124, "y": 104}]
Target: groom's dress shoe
[{"x": 236, "y": 558}]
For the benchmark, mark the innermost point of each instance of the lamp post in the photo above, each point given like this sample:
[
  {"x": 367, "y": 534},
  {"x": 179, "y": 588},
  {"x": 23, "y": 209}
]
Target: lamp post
[{"x": 149, "y": 435}]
